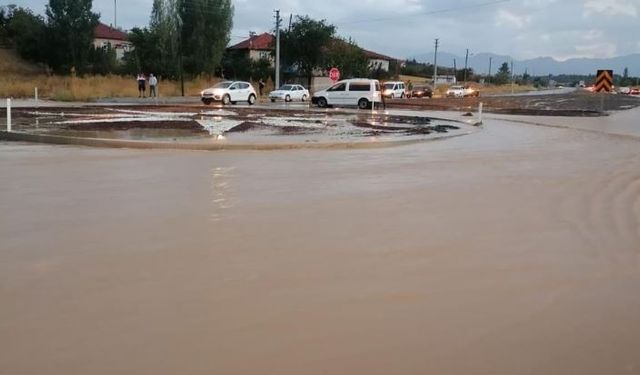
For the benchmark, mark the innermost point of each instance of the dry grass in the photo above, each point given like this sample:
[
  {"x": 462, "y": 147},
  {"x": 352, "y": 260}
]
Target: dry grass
[
  {"x": 12, "y": 64},
  {"x": 69, "y": 88},
  {"x": 19, "y": 79}
]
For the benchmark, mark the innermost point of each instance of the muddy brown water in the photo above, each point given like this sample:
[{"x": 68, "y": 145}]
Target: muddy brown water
[
  {"x": 515, "y": 250},
  {"x": 229, "y": 125}
]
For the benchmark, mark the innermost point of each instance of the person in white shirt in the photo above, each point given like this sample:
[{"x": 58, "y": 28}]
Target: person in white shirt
[{"x": 153, "y": 83}]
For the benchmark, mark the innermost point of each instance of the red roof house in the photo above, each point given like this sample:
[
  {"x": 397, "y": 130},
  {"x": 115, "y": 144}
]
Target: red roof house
[
  {"x": 256, "y": 47},
  {"x": 107, "y": 36}
]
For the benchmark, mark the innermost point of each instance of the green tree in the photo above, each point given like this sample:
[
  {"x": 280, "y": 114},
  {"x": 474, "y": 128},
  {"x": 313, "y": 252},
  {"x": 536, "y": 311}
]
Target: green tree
[
  {"x": 205, "y": 27},
  {"x": 503, "y": 74},
  {"x": 236, "y": 65},
  {"x": 349, "y": 58},
  {"x": 71, "y": 25},
  {"x": 304, "y": 47},
  {"x": 262, "y": 69},
  {"x": 161, "y": 41},
  {"x": 5, "y": 17},
  {"x": 145, "y": 55},
  {"x": 102, "y": 60},
  {"x": 26, "y": 32}
]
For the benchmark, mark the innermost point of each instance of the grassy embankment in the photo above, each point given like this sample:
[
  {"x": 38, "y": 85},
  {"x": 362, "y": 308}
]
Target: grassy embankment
[{"x": 18, "y": 79}]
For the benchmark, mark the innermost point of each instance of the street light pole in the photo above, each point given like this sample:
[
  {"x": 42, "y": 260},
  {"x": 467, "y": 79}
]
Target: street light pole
[
  {"x": 512, "y": 77},
  {"x": 278, "y": 20},
  {"x": 466, "y": 64},
  {"x": 435, "y": 65}
]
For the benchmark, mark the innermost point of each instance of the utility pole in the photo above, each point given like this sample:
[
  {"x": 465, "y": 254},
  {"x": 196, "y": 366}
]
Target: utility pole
[
  {"x": 512, "y": 77},
  {"x": 435, "y": 65},
  {"x": 455, "y": 68},
  {"x": 278, "y": 21},
  {"x": 115, "y": 14},
  {"x": 466, "y": 64},
  {"x": 490, "y": 61}
]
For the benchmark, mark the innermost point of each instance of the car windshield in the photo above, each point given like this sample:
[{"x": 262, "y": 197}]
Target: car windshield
[
  {"x": 222, "y": 85},
  {"x": 389, "y": 85},
  {"x": 286, "y": 88}
]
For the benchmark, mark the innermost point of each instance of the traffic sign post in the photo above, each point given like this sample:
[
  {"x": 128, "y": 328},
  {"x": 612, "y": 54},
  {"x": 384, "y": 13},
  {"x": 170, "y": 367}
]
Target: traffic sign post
[{"x": 334, "y": 74}]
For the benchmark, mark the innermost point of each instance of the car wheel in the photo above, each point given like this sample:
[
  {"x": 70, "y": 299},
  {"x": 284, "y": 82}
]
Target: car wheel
[
  {"x": 252, "y": 99},
  {"x": 226, "y": 100},
  {"x": 363, "y": 103},
  {"x": 207, "y": 101},
  {"x": 402, "y": 96},
  {"x": 322, "y": 102},
  {"x": 287, "y": 98},
  {"x": 304, "y": 98}
]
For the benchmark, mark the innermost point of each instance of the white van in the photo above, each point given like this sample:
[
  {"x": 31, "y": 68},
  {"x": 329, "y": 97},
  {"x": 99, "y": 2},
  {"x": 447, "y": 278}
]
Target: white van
[
  {"x": 359, "y": 92},
  {"x": 394, "y": 90}
]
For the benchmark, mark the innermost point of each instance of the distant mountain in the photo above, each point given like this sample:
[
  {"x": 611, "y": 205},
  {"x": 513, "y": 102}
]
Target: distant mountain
[{"x": 539, "y": 66}]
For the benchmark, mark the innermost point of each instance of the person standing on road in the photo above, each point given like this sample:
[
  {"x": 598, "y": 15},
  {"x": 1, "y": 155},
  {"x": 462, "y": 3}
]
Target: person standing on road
[
  {"x": 382, "y": 98},
  {"x": 261, "y": 86},
  {"x": 153, "y": 83},
  {"x": 409, "y": 88},
  {"x": 142, "y": 88}
]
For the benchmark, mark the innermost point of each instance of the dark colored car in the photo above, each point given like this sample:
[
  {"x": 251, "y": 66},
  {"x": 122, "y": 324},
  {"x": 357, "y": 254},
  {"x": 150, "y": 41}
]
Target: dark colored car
[{"x": 421, "y": 92}]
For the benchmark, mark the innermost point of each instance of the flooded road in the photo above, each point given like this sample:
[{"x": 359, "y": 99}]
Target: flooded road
[{"x": 515, "y": 250}]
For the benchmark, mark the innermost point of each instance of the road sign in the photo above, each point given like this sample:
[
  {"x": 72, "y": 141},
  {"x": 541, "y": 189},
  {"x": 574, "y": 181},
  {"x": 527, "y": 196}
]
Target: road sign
[
  {"x": 604, "y": 81},
  {"x": 334, "y": 74}
]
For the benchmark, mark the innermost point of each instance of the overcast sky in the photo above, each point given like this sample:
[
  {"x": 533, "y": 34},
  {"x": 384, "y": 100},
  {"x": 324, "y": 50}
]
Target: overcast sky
[{"x": 403, "y": 28}]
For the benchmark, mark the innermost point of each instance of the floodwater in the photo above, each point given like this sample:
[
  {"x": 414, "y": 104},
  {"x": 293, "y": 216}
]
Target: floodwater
[
  {"x": 514, "y": 250},
  {"x": 246, "y": 126}
]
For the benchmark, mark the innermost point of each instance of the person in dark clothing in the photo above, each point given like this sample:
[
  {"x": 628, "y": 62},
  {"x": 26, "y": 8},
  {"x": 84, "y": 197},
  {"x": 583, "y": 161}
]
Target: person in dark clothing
[
  {"x": 382, "y": 98},
  {"x": 142, "y": 86},
  {"x": 261, "y": 86}
]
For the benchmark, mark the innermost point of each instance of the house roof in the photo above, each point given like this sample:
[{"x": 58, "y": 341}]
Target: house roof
[
  {"x": 103, "y": 31},
  {"x": 376, "y": 56},
  {"x": 263, "y": 41}
]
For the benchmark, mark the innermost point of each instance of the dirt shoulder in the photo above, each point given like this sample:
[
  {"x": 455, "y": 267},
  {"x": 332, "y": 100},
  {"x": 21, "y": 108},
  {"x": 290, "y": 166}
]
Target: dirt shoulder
[{"x": 580, "y": 104}]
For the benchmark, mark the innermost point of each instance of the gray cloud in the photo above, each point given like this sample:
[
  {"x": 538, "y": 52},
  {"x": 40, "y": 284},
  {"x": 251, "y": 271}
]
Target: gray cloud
[{"x": 402, "y": 28}]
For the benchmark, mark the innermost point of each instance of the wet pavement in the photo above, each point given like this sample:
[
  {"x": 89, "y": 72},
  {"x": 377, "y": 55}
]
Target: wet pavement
[{"x": 513, "y": 250}]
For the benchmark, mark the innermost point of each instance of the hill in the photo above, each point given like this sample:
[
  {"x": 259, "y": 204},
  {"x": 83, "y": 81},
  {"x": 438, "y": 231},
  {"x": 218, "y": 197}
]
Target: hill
[{"x": 540, "y": 66}]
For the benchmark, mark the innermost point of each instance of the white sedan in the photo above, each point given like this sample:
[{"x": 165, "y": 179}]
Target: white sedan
[
  {"x": 289, "y": 93},
  {"x": 461, "y": 92},
  {"x": 229, "y": 92}
]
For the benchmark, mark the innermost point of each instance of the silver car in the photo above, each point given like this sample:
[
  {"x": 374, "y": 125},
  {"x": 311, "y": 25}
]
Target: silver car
[{"x": 289, "y": 93}]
